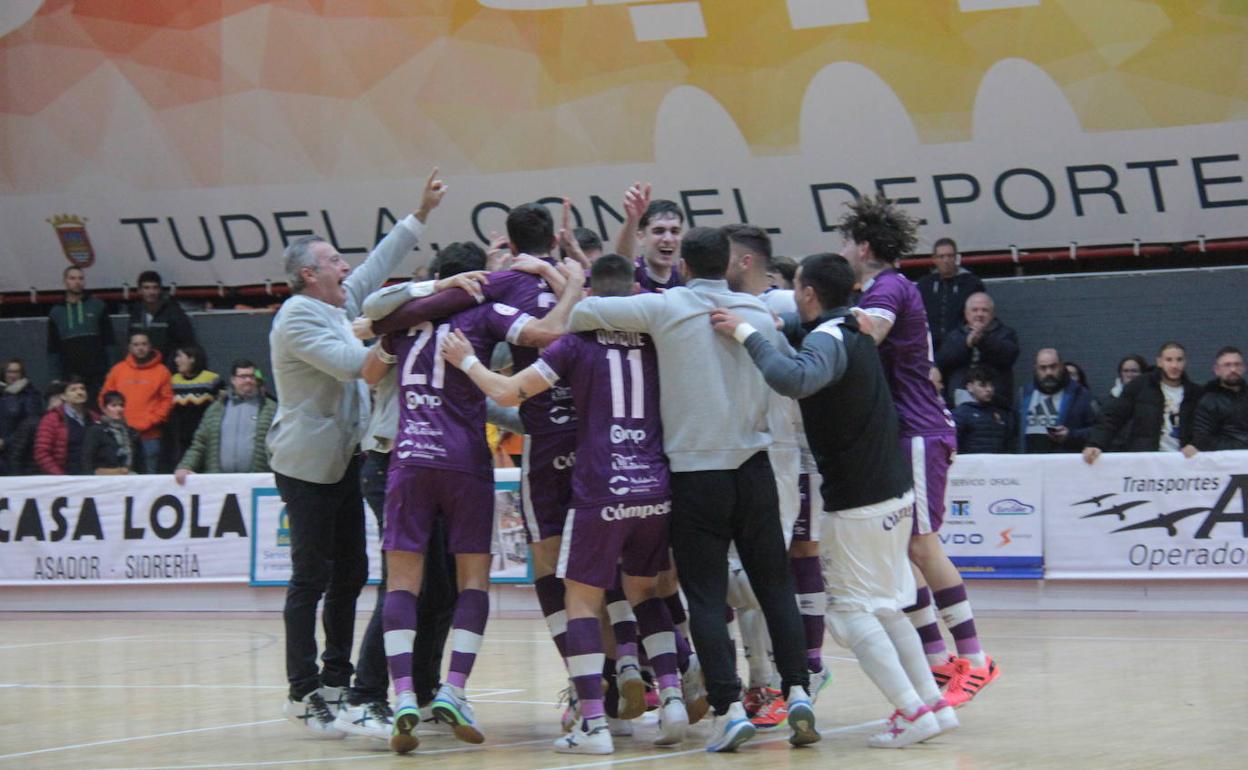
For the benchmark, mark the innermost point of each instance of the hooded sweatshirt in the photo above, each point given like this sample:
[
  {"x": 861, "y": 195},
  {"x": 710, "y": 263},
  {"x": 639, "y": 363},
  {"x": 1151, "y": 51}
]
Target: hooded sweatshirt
[{"x": 148, "y": 388}]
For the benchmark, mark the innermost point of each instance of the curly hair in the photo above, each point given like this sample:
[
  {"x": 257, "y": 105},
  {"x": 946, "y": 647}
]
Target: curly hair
[{"x": 891, "y": 232}]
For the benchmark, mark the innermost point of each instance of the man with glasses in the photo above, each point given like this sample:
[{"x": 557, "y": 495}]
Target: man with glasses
[{"x": 230, "y": 438}]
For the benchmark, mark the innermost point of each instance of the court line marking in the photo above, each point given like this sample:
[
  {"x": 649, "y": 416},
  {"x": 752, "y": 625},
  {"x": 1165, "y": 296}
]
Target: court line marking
[
  {"x": 1213, "y": 640},
  {"x": 167, "y": 637},
  {"x": 112, "y": 741},
  {"x": 481, "y": 694}
]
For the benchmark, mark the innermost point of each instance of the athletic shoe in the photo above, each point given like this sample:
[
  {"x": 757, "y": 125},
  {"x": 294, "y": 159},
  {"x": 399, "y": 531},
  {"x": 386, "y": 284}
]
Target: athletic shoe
[
  {"x": 971, "y": 682},
  {"x": 632, "y": 688},
  {"x": 620, "y": 728},
  {"x": 730, "y": 729},
  {"x": 403, "y": 738},
  {"x": 904, "y": 730},
  {"x": 313, "y": 714},
  {"x": 694, "y": 690},
  {"x": 753, "y": 700},
  {"x": 943, "y": 673},
  {"x": 370, "y": 720},
  {"x": 673, "y": 722},
  {"x": 455, "y": 710},
  {"x": 945, "y": 716},
  {"x": 431, "y": 723},
  {"x": 802, "y": 719},
  {"x": 596, "y": 741},
  {"x": 773, "y": 713},
  {"x": 571, "y": 709},
  {"x": 819, "y": 681}
]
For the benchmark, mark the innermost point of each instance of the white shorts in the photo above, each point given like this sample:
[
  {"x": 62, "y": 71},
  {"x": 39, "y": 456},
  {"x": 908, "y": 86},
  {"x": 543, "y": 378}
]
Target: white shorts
[
  {"x": 786, "y": 464},
  {"x": 864, "y": 553}
]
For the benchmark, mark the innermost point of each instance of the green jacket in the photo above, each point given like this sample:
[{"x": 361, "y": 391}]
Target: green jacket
[{"x": 204, "y": 454}]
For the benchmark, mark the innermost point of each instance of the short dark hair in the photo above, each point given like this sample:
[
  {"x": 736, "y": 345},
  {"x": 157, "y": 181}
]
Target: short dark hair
[
  {"x": 241, "y": 363},
  {"x": 531, "y": 228},
  {"x": 830, "y": 276},
  {"x": 1082, "y": 378},
  {"x": 196, "y": 354},
  {"x": 65, "y": 272},
  {"x": 612, "y": 276},
  {"x": 138, "y": 333},
  {"x": 979, "y": 373},
  {"x": 1138, "y": 359},
  {"x": 705, "y": 251},
  {"x": 458, "y": 257},
  {"x": 150, "y": 276},
  {"x": 587, "y": 239},
  {"x": 751, "y": 237},
  {"x": 1171, "y": 344},
  {"x": 891, "y": 232},
  {"x": 73, "y": 379},
  {"x": 660, "y": 207},
  {"x": 17, "y": 361},
  {"x": 53, "y": 388},
  {"x": 112, "y": 397},
  {"x": 946, "y": 241},
  {"x": 785, "y": 266},
  {"x": 1227, "y": 350}
]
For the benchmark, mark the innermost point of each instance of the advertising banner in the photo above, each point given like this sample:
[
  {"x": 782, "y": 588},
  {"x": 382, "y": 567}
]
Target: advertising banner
[
  {"x": 993, "y": 517},
  {"x": 1033, "y": 123},
  {"x": 1147, "y": 515}
]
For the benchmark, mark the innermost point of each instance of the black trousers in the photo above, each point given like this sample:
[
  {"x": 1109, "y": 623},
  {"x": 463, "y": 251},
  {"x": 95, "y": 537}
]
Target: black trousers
[
  {"x": 711, "y": 509},
  {"x": 327, "y": 560},
  {"x": 433, "y": 615}
]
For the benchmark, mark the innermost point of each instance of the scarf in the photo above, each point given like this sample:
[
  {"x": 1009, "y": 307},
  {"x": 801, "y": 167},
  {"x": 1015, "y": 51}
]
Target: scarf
[
  {"x": 13, "y": 388},
  {"x": 121, "y": 436}
]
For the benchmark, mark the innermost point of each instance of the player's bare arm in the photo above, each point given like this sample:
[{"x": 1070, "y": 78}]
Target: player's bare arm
[{"x": 505, "y": 391}]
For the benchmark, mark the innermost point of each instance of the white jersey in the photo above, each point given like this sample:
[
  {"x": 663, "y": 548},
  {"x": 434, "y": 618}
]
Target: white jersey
[{"x": 784, "y": 417}]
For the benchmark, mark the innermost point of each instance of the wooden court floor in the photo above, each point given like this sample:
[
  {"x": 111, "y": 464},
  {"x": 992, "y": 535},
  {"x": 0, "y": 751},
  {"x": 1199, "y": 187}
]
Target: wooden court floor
[{"x": 1079, "y": 690}]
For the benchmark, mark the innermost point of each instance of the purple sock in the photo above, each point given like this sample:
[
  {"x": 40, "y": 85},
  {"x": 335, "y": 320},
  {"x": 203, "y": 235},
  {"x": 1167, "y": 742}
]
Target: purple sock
[
  {"x": 550, "y": 598},
  {"x": 812, "y": 602},
  {"x": 398, "y": 622},
  {"x": 676, "y": 611},
  {"x": 472, "y": 609},
  {"x": 585, "y": 662},
  {"x": 923, "y": 618},
  {"x": 659, "y": 639},
  {"x": 623, "y": 624},
  {"x": 955, "y": 611}
]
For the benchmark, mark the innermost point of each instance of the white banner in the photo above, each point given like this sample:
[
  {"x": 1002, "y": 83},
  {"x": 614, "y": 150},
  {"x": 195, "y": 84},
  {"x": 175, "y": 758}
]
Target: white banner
[
  {"x": 1148, "y": 515},
  {"x": 993, "y": 518}
]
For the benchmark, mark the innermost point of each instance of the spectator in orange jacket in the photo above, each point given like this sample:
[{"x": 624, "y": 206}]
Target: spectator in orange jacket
[{"x": 148, "y": 389}]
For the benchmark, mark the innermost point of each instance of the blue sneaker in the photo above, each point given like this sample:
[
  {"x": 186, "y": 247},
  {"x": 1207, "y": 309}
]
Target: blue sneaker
[
  {"x": 730, "y": 730},
  {"x": 455, "y": 710},
  {"x": 819, "y": 681},
  {"x": 802, "y": 718}
]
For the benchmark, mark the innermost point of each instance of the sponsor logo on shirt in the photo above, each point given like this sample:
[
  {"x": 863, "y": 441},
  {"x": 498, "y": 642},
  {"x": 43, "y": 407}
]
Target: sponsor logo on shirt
[
  {"x": 620, "y": 511},
  {"x": 417, "y": 400},
  {"x": 620, "y": 434}
]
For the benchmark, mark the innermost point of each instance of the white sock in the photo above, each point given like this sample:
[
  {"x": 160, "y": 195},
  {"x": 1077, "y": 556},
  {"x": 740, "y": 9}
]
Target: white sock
[
  {"x": 910, "y": 652},
  {"x": 754, "y": 637},
  {"x": 878, "y": 658},
  {"x": 405, "y": 699}
]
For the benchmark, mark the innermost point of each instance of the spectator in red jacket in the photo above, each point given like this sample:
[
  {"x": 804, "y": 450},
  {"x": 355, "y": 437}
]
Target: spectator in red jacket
[{"x": 58, "y": 442}]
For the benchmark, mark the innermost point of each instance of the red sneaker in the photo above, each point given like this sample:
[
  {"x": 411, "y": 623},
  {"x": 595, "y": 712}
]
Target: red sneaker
[
  {"x": 774, "y": 711},
  {"x": 946, "y": 671},
  {"x": 971, "y": 682}
]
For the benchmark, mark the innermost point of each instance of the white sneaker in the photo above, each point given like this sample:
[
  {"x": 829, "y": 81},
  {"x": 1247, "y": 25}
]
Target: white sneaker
[
  {"x": 596, "y": 741},
  {"x": 802, "y": 718},
  {"x": 819, "y": 681},
  {"x": 571, "y": 704},
  {"x": 694, "y": 690},
  {"x": 456, "y": 711},
  {"x": 673, "y": 721},
  {"x": 313, "y": 714},
  {"x": 904, "y": 730},
  {"x": 620, "y": 728},
  {"x": 430, "y": 723},
  {"x": 403, "y": 739},
  {"x": 370, "y": 720},
  {"x": 730, "y": 730},
  {"x": 945, "y": 715},
  {"x": 632, "y": 687}
]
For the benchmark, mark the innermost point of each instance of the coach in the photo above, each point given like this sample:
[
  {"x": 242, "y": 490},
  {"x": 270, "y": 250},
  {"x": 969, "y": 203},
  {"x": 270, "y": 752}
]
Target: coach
[{"x": 322, "y": 414}]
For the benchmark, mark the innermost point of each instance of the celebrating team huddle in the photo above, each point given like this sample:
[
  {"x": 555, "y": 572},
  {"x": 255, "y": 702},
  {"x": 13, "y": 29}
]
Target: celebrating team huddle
[{"x": 775, "y": 454}]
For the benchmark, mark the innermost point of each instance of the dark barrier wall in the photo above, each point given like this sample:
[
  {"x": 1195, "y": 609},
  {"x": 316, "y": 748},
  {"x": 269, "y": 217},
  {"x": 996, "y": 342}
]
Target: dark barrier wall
[{"x": 1091, "y": 319}]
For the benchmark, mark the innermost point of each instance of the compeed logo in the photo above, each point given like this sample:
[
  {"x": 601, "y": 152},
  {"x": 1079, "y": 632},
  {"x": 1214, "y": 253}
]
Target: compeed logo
[{"x": 1010, "y": 507}]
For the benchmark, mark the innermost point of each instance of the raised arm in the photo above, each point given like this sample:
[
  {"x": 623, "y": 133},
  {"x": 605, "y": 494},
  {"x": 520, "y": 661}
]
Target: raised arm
[
  {"x": 820, "y": 362},
  {"x": 504, "y": 391},
  {"x": 636, "y": 201}
]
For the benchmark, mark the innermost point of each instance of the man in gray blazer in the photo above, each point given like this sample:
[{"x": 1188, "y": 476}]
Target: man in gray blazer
[{"x": 322, "y": 414}]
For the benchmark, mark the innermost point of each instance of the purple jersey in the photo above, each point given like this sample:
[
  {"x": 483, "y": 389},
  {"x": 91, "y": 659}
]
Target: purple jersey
[
  {"x": 441, "y": 411},
  {"x": 907, "y": 354},
  {"x": 614, "y": 379},
  {"x": 552, "y": 411},
  {"x": 648, "y": 282}
]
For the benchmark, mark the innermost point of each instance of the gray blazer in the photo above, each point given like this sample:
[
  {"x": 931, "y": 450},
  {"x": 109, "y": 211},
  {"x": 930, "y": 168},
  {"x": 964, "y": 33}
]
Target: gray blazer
[{"x": 322, "y": 404}]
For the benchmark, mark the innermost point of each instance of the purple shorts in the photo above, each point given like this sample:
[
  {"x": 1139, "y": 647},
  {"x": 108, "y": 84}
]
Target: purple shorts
[
  {"x": 546, "y": 483},
  {"x": 930, "y": 458},
  {"x": 806, "y": 528},
  {"x": 416, "y": 494},
  {"x": 630, "y": 533}
]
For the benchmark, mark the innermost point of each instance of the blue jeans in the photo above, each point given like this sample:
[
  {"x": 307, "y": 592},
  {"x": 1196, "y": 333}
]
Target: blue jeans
[{"x": 151, "y": 455}]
